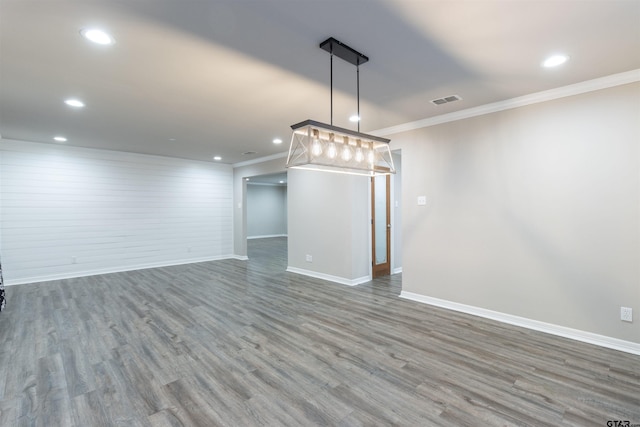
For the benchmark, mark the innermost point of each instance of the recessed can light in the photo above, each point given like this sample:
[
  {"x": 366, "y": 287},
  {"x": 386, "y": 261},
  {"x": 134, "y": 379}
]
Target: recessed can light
[
  {"x": 555, "y": 60},
  {"x": 277, "y": 141},
  {"x": 354, "y": 118},
  {"x": 217, "y": 158},
  {"x": 60, "y": 138},
  {"x": 281, "y": 182},
  {"x": 97, "y": 36},
  {"x": 72, "y": 102}
]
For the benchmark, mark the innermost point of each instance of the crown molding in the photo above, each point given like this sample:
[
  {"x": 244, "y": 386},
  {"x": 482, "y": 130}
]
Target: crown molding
[{"x": 521, "y": 101}]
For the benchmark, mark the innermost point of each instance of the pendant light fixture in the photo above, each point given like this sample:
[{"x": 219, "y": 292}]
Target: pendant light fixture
[{"x": 324, "y": 147}]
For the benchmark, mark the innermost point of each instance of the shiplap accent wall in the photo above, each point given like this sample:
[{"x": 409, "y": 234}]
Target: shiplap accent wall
[{"x": 69, "y": 212}]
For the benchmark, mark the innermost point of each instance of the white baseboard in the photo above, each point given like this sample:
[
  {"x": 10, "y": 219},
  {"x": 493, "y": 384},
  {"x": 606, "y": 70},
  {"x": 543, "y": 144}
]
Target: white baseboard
[
  {"x": 330, "y": 278},
  {"x": 574, "y": 334},
  {"x": 95, "y": 272},
  {"x": 397, "y": 270},
  {"x": 266, "y": 236},
  {"x": 240, "y": 257}
]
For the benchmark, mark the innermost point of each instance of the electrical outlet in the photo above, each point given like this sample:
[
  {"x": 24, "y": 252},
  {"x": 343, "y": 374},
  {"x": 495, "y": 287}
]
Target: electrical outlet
[
  {"x": 309, "y": 258},
  {"x": 626, "y": 314},
  {"x": 422, "y": 200}
]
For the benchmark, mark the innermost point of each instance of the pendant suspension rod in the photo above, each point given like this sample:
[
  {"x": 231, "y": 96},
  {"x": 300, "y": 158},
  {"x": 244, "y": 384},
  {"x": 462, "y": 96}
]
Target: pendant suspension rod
[
  {"x": 358, "y": 92},
  {"x": 331, "y": 81}
]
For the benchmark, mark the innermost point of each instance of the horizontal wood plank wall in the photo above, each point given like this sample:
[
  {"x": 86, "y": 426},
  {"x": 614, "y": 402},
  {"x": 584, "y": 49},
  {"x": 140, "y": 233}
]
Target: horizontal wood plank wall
[{"x": 70, "y": 212}]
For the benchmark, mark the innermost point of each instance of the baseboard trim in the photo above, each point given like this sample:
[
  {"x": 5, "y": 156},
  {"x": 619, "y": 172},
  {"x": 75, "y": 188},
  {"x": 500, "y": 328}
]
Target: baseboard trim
[
  {"x": 397, "y": 270},
  {"x": 561, "y": 331},
  {"x": 328, "y": 277},
  {"x": 240, "y": 257},
  {"x": 266, "y": 236},
  {"x": 85, "y": 273}
]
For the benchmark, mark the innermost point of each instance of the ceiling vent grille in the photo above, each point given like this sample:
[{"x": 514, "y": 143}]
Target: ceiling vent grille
[{"x": 446, "y": 100}]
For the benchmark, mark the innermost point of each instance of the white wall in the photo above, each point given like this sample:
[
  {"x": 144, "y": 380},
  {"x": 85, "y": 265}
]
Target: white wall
[
  {"x": 266, "y": 210},
  {"x": 110, "y": 210},
  {"x": 532, "y": 212},
  {"x": 329, "y": 220}
]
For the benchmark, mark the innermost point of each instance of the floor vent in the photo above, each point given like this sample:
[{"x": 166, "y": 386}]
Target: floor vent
[{"x": 446, "y": 100}]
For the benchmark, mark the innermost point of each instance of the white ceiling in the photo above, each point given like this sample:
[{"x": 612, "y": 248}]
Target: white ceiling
[{"x": 225, "y": 77}]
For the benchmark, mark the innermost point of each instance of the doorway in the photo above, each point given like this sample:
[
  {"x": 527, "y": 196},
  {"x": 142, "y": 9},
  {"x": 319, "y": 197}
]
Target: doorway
[{"x": 266, "y": 219}]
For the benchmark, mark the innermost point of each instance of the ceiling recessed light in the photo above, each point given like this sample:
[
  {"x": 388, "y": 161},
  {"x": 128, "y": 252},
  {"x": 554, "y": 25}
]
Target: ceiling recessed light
[
  {"x": 277, "y": 141},
  {"x": 60, "y": 138},
  {"x": 172, "y": 139},
  {"x": 354, "y": 118},
  {"x": 217, "y": 158},
  {"x": 281, "y": 182},
  {"x": 555, "y": 60},
  {"x": 74, "y": 103},
  {"x": 97, "y": 36}
]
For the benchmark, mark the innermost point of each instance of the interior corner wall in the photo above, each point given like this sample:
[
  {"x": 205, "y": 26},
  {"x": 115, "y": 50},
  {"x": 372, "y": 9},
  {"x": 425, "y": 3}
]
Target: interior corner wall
[
  {"x": 70, "y": 211},
  {"x": 266, "y": 210},
  {"x": 240, "y": 198},
  {"x": 533, "y": 212},
  {"x": 328, "y": 220}
]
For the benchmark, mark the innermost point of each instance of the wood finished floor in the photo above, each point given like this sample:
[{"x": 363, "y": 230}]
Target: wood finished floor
[{"x": 243, "y": 343}]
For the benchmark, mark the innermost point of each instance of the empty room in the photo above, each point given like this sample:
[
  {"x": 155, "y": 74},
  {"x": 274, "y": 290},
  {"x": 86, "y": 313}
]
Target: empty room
[{"x": 333, "y": 213}]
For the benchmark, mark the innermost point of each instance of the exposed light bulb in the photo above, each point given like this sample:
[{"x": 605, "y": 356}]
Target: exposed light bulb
[
  {"x": 371, "y": 155},
  {"x": 347, "y": 154},
  {"x": 332, "y": 150},
  {"x": 359, "y": 154},
  {"x": 316, "y": 145}
]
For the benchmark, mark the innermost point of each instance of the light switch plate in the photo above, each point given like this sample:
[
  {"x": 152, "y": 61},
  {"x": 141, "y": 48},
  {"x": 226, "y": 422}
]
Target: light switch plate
[{"x": 422, "y": 200}]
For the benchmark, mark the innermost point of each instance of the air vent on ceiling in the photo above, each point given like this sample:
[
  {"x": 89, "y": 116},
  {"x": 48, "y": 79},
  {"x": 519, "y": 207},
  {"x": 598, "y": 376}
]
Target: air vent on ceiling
[
  {"x": 446, "y": 100},
  {"x": 248, "y": 153}
]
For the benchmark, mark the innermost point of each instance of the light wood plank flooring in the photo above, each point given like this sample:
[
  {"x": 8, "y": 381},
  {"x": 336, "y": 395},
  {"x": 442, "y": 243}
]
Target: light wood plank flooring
[{"x": 243, "y": 343}]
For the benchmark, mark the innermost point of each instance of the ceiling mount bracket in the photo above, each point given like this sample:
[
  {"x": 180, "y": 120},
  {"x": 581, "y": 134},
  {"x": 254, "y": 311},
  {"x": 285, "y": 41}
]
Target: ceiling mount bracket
[{"x": 343, "y": 51}]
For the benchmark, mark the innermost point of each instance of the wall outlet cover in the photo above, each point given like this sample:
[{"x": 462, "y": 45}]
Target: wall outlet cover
[{"x": 626, "y": 314}]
